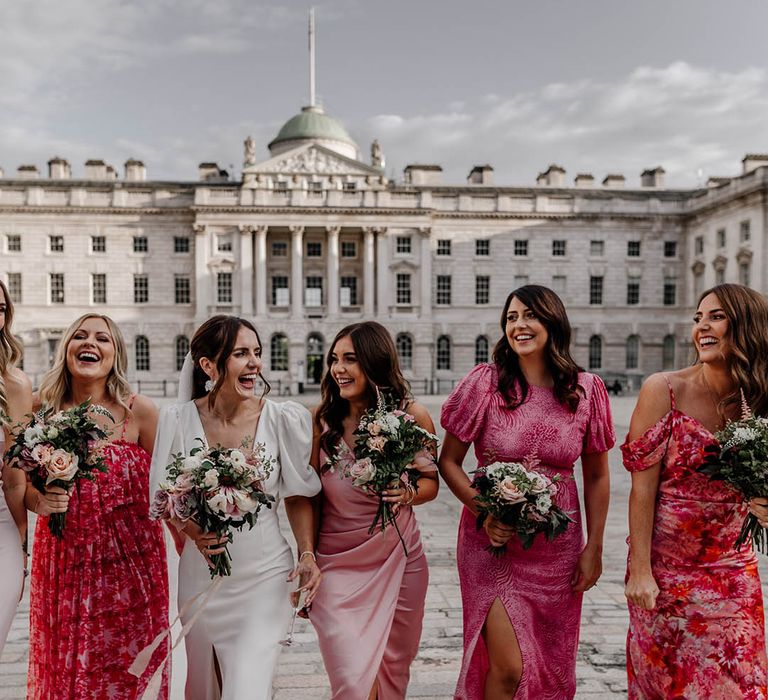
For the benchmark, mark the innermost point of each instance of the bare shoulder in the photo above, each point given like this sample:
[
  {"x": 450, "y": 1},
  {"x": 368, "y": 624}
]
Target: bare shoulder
[
  {"x": 421, "y": 414},
  {"x": 653, "y": 403},
  {"x": 16, "y": 380},
  {"x": 144, "y": 408}
]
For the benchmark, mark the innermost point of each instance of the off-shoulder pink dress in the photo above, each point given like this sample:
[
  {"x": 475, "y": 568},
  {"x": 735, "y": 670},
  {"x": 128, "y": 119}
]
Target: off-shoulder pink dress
[
  {"x": 705, "y": 638},
  {"x": 534, "y": 585},
  {"x": 369, "y": 608}
]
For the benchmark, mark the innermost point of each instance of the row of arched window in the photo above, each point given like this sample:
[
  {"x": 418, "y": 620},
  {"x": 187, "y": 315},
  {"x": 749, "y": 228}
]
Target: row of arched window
[{"x": 632, "y": 352}]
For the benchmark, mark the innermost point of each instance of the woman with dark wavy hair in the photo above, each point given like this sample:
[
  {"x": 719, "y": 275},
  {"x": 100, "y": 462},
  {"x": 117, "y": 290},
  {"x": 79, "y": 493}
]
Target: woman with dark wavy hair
[
  {"x": 522, "y": 611},
  {"x": 232, "y": 650},
  {"x": 369, "y": 611},
  {"x": 696, "y": 626}
]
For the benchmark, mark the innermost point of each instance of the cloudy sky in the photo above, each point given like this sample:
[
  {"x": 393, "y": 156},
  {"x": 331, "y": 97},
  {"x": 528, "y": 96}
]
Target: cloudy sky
[{"x": 594, "y": 85}]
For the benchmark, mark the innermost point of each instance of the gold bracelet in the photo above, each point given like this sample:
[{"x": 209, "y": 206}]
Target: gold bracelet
[{"x": 311, "y": 554}]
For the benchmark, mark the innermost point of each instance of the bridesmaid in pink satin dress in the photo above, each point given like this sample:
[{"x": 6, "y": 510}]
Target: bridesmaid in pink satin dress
[
  {"x": 368, "y": 612},
  {"x": 522, "y": 611}
]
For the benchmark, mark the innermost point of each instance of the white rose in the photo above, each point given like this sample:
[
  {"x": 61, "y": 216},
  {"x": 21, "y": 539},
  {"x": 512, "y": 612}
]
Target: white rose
[
  {"x": 539, "y": 483},
  {"x": 191, "y": 463},
  {"x": 543, "y": 503},
  {"x": 211, "y": 479},
  {"x": 218, "y": 503},
  {"x": 244, "y": 501},
  {"x": 33, "y": 435}
]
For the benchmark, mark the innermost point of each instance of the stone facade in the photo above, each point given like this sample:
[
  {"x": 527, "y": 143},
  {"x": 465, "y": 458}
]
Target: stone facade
[{"x": 312, "y": 240}]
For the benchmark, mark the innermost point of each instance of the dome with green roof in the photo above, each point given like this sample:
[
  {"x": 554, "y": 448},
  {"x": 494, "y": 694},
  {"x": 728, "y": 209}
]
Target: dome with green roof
[{"x": 313, "y": 125}]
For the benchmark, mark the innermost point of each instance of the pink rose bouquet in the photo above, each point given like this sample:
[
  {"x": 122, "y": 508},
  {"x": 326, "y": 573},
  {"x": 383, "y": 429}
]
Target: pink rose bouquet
[
  {"x": 390, "y": 448},
  {"x": 520, "y": 497},
  {"x": 56, "y": 448},
  {"x": 220, "y": 489}
]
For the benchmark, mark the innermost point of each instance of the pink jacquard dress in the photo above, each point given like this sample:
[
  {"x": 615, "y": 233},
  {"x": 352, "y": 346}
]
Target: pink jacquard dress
[
  {"x": 99, "y": 595},
  {"x": 534, "y": 585},
  {"x": 369, "y": 608},
  {"x": 705, "y": 639}
]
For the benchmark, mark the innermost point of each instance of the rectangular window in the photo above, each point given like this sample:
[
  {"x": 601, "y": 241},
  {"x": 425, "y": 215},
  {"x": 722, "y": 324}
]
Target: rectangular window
[
  {"x": 559, "y": 284},
  {"x": 698, "y": 245},
  {"x": 443, "y": 290},
  {"x": 56, "y": 244},
  {"x": 140, "y": 244},
  {"x": 483, "y": 247},
  {"x": 14, "y": 287},
  {"x": 670, "y": 249},
  {"x": 633, "y": 249},
  {"x": 223, "y": 287},
  {"x": 98, "y": 288},
  {"x": 720, "y": 237},
  {"x": 350, "y": 187},
  {"x": 315, "y": 189},
  {"x": 280, "y": 294},
  {"x": 348, "y": 249},
  {"x": 181, "y": 244},
  {"x": 595, "y": 290},
  {"x": 521, "y": 247},
  {"x": 182, "y": 292},
  {"x": 140, "y": 289},
  {"x": 670, "y": 291},
  {"x": 444, "y": 246},
  {"x": 597, "y": 249},
  {"x": 98, "y": 244},
  {"x": 13, "y": 243},
  {"x": 403, "y": 245},
  {"x": 314, "y": 249},
  {"x": 280, "y": 249},
  {"x": 482, "y": 289},
  {"x": 720, "y": 275},
  {"x": 224, "y": 243},
  {"x": 744, "y": 231},
  {"x": 745, "y": 274},
  {"x": 403, "y": 288},
  {"x": 558, "y": 248},
  {"x": 348, "y": 291},
  {"x": 281, "y": 187},
  {"x": 56, "y": 281},
  {"x": 313, "y": 291},
  {"x": 633, "y": 291}
]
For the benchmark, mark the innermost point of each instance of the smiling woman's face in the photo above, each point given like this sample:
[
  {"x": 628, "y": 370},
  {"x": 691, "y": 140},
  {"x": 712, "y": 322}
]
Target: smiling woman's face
[
  {"x": 710, "y": 330},
  {"x": 91, "y": 351}
]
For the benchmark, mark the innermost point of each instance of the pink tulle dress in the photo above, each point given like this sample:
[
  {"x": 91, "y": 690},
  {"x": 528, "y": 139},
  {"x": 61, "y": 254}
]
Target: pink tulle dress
[
  {"x": 369, "y": 608},
  {"x": 705, "y": 638},
  {"x": 533, "y": 585},
  {"x": 100, "y": 594}
]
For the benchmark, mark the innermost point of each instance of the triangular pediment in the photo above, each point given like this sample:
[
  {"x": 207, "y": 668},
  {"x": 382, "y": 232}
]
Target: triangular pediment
[{"x": 311, "y": 159}]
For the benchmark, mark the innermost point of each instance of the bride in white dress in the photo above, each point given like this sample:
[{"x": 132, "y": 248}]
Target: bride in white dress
[{"x": 233, "y": 647}]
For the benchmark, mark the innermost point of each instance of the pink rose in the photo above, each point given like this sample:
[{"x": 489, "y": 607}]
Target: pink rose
[
  {"x": 42, "y": 453},
  {"x": 539, "y": 483},
  {"x": 374, "y": 428},
  {"x": 161, "y": 505},
  {"x": 62, "y": 466},
  {"x": 362, "y": 471},
  {"x": 182, "y": 505},
  {"x": 184, "y": 483},
  {"x": 377, "y": 443},
  {"x": 508, "y": 491}
]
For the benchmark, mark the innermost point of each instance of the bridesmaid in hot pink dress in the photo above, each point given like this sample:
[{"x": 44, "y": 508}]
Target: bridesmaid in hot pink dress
[
  {"x": 100, "y": 594},
  {"x": 369, "y": 609},
  {"x": 695, "y": 604},
  {"x": 522, "y": 611}
]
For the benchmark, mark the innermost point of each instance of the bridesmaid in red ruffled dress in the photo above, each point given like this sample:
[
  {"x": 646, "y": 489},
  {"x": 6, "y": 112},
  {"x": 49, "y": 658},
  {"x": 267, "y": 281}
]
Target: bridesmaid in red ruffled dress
[
  {"x": 696, "y": 625},
  {"x": 100, "y": 594},
  {"x": 522, "y": 611}
]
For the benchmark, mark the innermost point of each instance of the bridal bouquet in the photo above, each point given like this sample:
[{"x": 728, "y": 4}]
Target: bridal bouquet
[
  {"x": 389, "y": 449},
  {"x": 520, "y": 497},
  {"x": 220, "y": 489},
  {"x": 56, "y": 448},
  {"x": 741, "y": 460}
]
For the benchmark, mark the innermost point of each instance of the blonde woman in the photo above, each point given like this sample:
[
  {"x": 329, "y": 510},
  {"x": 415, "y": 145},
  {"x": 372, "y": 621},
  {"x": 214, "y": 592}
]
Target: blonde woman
[
  {"x": 15, "y": 402},
  {"x": 99, "y": 594}
]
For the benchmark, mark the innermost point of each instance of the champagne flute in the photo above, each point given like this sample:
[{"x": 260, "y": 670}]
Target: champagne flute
[{"x": 299, "y": 596}]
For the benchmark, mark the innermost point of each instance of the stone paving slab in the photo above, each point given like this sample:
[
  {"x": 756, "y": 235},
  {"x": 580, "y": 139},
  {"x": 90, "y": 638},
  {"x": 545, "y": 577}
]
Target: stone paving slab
[{"x": 301, "y": 676}]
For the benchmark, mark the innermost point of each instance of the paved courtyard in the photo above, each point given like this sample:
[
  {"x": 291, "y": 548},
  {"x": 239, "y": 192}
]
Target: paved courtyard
[{"x": 301, "y": 676}]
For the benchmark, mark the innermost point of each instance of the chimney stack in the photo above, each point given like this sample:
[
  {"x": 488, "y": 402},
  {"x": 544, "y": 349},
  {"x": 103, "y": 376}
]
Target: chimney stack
[
  {"x": 613, "y": 180},
  {"x": 28, "y": 172},
  {"x": 135, "y": 171},
  {"x": 95, "y": 170},
  {"x": 480, "y": 175},
  {"x": 553, "y": 176},
  {"x": 752, "y": 161},
  {"x": 652, "y": 178},
  {"x": 58, "y": 169},
  {"x": 584, "y": 180}
]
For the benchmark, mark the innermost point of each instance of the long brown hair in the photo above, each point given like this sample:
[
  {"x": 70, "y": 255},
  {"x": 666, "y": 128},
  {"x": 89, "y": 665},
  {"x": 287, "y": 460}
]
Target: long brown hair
[
  {"x": 10, "y": 348},
  {"x": 377, "y": 356},
  {"x": 746, "y": 343},
  {"x": 56, "y": 384},
  {"x": 549, "y": 310},
  {"x": 215, "y": 339}
]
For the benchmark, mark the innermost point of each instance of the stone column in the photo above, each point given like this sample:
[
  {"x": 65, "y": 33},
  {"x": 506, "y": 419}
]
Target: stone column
[
  {"x": 369, "y": 276},
  {"x": 246, "y": 271},
  {"x": 426, "y": 273},
  {"x": 202, "y": 274},
  {"x": 297, "y": 271},
  {"x": 383, "y": 281},
  {"x": 332, "y": 270},
  {"x": 261, "y": 272}
]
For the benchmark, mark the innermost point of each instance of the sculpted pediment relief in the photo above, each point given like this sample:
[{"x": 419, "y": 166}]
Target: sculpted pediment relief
[{"x": 312, "y": 160}]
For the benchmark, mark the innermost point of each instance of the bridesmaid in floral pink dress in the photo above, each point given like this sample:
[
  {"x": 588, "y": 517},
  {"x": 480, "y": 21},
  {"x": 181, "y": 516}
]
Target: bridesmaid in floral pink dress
[
  {"x": 522, "y": 611},
  {"x": 369, "y": 609},
  {"x": 695, "y": 604}
]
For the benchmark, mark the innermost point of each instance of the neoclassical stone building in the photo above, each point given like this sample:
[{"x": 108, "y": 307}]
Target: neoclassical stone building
[{"x": 314, "y": 238}]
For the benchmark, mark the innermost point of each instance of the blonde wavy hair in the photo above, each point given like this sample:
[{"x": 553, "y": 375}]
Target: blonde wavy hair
[
  {"x": 56, "y": 385},
  {"x": 11, "y": 349}
]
